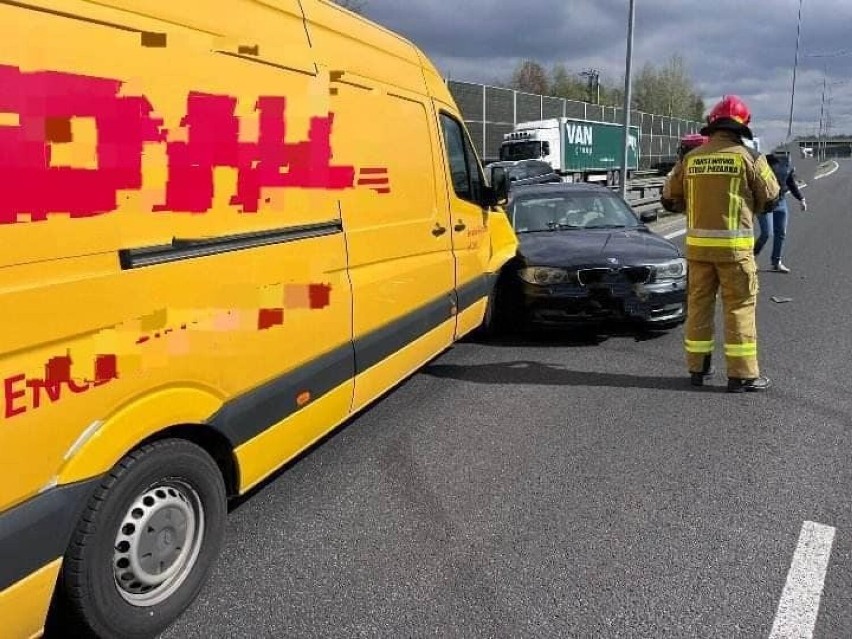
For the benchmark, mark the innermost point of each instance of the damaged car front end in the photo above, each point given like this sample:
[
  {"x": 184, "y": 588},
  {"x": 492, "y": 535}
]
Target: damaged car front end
[{"x": 584, "y": 257}]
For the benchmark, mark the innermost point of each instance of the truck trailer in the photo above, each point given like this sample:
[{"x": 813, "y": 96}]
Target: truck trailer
[{"x": 579, "y": 150}]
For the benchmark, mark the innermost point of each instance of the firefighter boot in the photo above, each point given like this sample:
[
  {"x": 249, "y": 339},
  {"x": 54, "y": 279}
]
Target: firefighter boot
[
  {"x": 737, "y": 385},
  {"x": 707, "y": 370}
]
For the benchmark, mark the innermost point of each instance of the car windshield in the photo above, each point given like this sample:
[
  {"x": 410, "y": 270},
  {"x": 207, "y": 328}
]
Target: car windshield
[{"x": 581, "y": 210}]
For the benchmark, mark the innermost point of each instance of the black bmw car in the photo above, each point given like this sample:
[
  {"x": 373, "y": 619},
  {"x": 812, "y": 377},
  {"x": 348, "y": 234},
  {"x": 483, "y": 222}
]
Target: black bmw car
[{"x": 585, "y": 257}]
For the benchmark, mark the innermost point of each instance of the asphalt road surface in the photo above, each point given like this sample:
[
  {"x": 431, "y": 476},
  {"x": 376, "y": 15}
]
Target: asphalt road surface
[{"x": 562, "y": 489}]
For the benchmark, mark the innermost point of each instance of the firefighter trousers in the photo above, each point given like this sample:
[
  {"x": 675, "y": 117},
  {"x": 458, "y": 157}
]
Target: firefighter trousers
[{"x": 738, "y": 284}]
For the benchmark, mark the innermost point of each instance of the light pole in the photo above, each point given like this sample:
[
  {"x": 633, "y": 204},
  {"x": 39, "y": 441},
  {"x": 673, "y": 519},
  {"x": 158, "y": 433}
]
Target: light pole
[
  {"x": 795, "y": 67},
  {"x": 833, "y": 54},
  {"x": 825, "y": 115},
  {"x": 594, "y": 84},
  {"x": 821, "y": 111},
  {"x": 628, "y": 99}
]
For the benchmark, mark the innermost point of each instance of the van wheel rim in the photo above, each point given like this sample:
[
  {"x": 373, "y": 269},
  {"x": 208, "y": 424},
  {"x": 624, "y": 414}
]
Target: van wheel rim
[{"x": 157, "y": 543}]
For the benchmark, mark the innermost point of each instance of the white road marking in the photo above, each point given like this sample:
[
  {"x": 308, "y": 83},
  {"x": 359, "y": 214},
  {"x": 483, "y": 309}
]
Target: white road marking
[
  {"x": 834, "y": 170},
  {"x": 799, "y": 605}
]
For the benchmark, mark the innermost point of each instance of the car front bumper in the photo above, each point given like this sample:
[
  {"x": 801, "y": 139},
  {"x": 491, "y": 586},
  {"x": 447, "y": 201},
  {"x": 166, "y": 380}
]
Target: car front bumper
[{"x": 660, "y": 303}]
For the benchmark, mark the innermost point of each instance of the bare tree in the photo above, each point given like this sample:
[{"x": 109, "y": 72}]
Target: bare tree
[
  {"x": 530, "y": 77},
  {"x": 353, "y": 5},
  {"x": 668, "y": 90}
]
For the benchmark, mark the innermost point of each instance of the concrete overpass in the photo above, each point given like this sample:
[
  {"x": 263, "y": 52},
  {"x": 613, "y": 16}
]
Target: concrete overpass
[{"x": 839, "y": 147}]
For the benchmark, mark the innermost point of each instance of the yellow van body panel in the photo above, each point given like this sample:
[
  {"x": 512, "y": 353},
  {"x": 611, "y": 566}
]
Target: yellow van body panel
[
  {"x": 234, "y": 215},
  {"x": 260, "y": 457},
  {"x": 24, "y": 605},
  {"x": 106, "y": 442}
]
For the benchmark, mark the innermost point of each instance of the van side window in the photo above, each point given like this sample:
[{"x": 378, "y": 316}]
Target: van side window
[{"x": 464, "y": 168}]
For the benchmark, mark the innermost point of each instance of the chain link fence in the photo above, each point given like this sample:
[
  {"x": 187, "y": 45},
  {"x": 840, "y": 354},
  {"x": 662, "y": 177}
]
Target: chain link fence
[{"x": 491, "y": 112}]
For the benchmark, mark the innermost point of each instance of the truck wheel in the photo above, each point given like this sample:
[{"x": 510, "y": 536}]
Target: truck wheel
[
  {"x": 145, "y": 542},
  {"x": 616, "y": 178}
]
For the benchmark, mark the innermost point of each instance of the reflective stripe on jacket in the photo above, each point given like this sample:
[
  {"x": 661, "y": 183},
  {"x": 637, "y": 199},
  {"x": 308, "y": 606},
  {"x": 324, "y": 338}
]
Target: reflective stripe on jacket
[{"x": 720, "y": 186}]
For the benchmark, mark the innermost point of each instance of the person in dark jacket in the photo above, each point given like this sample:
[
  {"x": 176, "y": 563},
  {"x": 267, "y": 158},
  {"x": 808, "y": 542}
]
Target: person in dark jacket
[{"x": 775, "y": 222}]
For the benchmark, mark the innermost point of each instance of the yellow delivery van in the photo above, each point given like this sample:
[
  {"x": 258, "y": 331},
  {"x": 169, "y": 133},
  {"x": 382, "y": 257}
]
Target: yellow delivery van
[{"x": 226, "y": 226}]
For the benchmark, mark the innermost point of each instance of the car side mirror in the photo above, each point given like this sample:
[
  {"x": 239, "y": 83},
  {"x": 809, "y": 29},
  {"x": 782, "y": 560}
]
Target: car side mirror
[{"x": 648, "y": 216}]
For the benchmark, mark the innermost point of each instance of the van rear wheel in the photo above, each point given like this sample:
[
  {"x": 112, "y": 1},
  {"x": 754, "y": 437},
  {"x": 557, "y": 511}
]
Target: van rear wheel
[{"x": 144, "y": 545}]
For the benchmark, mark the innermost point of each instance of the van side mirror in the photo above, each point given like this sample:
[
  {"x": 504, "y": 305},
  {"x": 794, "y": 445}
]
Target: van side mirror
[
  {"x": 545, "y": 149},
  {"x": 500, "y": 184}
]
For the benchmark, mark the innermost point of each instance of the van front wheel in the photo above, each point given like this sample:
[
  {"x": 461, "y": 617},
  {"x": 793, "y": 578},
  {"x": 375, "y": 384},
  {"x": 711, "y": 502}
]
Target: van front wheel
[
  {"x": 493, "y": 324},
  {"x": 143, "y": 547}
]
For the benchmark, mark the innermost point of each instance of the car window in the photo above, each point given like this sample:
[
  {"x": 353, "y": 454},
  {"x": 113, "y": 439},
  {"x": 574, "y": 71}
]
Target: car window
[{"x": 570, "y": 211}]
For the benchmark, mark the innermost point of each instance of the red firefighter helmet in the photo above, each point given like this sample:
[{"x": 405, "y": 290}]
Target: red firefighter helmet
[{"x": 730, "y": 113}]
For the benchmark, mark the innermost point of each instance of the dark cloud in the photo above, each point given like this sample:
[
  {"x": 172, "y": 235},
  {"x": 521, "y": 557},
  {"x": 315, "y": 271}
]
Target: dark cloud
[{"x": 730, "y": 46}]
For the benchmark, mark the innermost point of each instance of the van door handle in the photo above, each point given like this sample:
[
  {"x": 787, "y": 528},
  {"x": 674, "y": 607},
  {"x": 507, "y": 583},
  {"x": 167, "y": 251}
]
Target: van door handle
[
  {"x": 439, "y": 230},
  {"x": 460, "y": 226}
]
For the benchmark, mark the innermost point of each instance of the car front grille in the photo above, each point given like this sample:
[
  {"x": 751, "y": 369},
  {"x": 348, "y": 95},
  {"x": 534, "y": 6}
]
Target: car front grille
[{"x": 613, "y": 275}]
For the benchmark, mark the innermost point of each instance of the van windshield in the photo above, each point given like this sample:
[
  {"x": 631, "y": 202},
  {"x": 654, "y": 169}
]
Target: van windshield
[{"x": 520, "y": 151}]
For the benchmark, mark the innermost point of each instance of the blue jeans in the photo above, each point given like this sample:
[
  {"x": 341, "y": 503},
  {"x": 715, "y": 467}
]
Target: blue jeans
[{"x": 773, "y": 223}]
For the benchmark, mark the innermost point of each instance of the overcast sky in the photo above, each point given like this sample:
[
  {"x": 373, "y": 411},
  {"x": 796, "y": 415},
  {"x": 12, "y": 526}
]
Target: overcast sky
[{"x": 730, "y": 46}]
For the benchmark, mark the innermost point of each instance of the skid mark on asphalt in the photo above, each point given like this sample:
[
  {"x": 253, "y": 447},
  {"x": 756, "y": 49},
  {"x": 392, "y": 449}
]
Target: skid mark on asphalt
[{"x": 799, "y": 605}]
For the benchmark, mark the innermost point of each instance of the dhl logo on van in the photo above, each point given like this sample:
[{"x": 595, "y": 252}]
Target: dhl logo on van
[
  {"x": 40, "y": 111},
  {"x": 146, "y": 342},
  {"x": 23, "y": 393}
]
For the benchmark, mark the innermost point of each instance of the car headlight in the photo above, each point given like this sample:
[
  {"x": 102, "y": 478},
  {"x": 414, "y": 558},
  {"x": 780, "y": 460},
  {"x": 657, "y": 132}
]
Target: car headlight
[
  {"x": 671, "y": 270},
  {"x": 545, "y": 275}
]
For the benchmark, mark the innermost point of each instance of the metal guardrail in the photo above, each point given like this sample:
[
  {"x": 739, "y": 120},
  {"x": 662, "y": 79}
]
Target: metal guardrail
[{"x": 644, "y": 194}]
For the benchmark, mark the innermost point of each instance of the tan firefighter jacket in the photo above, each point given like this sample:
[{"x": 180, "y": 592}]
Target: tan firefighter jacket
[{"x": 720, "y": 186}]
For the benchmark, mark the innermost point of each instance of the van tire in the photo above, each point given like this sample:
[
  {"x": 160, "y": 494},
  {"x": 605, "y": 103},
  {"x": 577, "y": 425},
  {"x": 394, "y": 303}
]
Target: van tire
[
  {"x": 489, "y": 327},
  {"x": 494, "y": 323},
  {"x": 159, "y": 483}
]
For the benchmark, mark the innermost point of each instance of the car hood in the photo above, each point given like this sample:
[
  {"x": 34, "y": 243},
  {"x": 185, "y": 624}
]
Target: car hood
[{"x": 567, "y": 248}]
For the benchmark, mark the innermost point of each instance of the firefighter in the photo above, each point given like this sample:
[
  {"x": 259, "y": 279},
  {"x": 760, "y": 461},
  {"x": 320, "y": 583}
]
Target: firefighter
[{"x": 720, "y": 186}]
